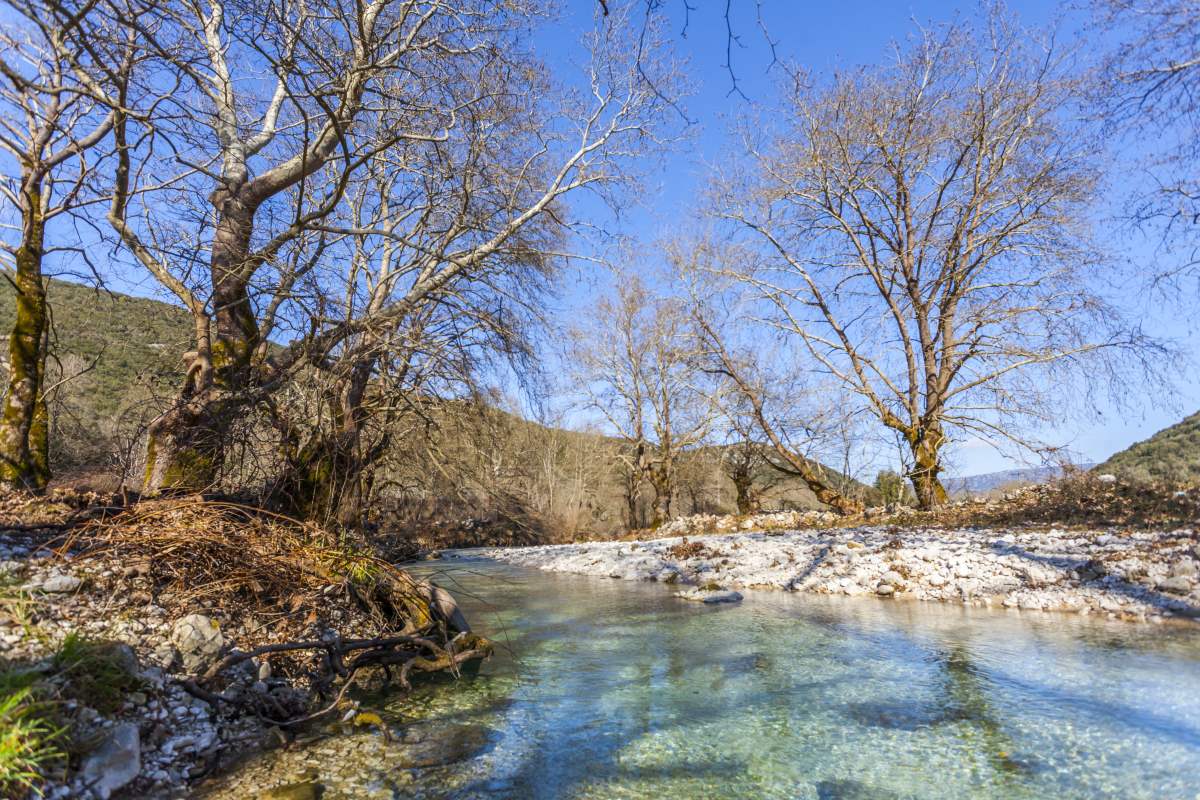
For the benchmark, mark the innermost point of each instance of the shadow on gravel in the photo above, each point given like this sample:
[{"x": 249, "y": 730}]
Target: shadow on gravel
[{"x": 1094, "y": 572}]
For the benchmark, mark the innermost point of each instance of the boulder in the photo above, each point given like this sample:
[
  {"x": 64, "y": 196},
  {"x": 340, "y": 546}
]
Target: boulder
[
  {"x": 115, "y": 762},
  {"x": 1184, "y": 568},
  {"x": 198, "y": 640},
  {"x": 711, "y": 596},
  {"x": 447, "y": 608}
]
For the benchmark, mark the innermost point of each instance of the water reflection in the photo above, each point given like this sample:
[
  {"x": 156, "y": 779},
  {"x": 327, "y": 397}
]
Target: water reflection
[{"x": 613, "y": 689}]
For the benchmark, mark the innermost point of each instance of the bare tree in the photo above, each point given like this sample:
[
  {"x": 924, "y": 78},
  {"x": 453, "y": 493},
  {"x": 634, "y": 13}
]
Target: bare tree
[
  {"x": 282, "y": 109},
  {"x": 51, "y": 131},
  {"x": 1150, "y": 84},
  {"x": 450, "y": 245},
  {"x": 768, "y": 403},
  {"x": 635, "y": 363},
  {"x": 744, "y": 463},
  {"x": 921, "y": 231}
]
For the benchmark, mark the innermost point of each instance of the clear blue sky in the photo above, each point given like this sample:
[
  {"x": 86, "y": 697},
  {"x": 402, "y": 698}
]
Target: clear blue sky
[{"x": 824, "y": 37}]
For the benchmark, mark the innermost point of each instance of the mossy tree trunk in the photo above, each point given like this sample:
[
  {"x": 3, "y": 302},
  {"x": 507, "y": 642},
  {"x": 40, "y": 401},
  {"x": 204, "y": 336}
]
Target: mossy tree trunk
[
  {"x": 188, "y": 442},
  {"x": 329, "y": 477},
  {"x": 662, "y": 477},
  {"x": 926, "y": 445},
  {"x": 748, "y": 496},
  {"x": 24, "y": 421}
]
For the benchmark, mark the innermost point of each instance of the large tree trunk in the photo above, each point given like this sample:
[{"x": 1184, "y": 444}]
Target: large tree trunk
[
  {"x": 926, "y": 449},
  {"x": 631, "y": 499},
  {"x": 24, "y": 421},
  {"x": 329, "y": 478},
  {"x": 662, "y": 479},
  {"x": 188, "y": 442},
  {"x": 748, "y": 500}
]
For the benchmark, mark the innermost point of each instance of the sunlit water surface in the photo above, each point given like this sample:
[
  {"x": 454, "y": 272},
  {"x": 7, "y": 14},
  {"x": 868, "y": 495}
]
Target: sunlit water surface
[{"x": 614, "y": 689}]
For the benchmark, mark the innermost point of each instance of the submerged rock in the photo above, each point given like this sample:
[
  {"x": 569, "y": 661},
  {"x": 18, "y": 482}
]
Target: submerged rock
[
  {"x": 440, "y": 744},
  {"x": 305, "y": 790},
  {"x": 711, "y": 595},
  {"x": 852, "y": 790}
]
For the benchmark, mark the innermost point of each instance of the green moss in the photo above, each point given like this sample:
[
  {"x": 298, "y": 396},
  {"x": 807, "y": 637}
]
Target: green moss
[
  {"x": 95, "y": 672},
  {"x": 190, "y": 468}
]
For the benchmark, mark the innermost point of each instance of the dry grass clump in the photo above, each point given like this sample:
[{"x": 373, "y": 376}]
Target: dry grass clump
[
  {"x": 1083, "y": 499},
  {"x": 200, "y": 554},
  {"x": 685, "y": 549}
]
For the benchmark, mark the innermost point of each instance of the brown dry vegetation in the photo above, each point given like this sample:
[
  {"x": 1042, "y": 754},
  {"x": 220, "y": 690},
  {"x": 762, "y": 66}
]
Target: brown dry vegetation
[{"x": 321, "y": 607}]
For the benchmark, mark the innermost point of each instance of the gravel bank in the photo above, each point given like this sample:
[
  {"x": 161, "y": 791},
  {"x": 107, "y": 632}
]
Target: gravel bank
[{"x": 1133, "y": 575}]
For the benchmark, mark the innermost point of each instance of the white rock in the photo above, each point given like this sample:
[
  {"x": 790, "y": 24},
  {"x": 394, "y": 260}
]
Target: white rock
[
  {"x": 198, "y": 640},
  {"x": 711, "y": 596},
  {"x": 113, "y": 764},
  {"x": 61, "y": 583},
  {"x": 1176, "y": 585}
]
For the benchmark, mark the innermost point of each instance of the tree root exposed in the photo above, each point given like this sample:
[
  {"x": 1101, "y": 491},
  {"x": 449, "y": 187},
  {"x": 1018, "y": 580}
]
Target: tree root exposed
[{"x": 342, "y": 660}]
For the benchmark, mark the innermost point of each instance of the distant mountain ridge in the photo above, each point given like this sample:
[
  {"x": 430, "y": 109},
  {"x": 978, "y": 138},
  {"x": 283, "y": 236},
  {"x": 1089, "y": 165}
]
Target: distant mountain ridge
[{"x": 991, "y": 481}]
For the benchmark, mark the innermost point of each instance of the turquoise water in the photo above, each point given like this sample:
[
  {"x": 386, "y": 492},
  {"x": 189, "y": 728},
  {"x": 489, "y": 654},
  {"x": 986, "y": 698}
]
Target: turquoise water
[{"x": 615, "y": 689}]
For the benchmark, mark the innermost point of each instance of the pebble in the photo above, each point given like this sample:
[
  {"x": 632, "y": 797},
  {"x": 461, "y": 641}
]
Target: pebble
[{"x": 61, "y": 583}]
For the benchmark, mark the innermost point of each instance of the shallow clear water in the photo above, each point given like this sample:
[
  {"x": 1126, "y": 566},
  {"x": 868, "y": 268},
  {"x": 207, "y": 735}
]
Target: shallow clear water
[{"x": 615, "y": 689}]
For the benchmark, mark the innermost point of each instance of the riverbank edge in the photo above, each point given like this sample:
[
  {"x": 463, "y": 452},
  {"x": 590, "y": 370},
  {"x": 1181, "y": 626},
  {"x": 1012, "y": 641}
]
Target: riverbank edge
[
  {"x": 116, "y": 670},
  {"x": 1141, "y": 576}
]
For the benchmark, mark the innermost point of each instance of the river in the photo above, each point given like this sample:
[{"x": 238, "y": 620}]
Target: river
[{"x": 616, "y": 689}]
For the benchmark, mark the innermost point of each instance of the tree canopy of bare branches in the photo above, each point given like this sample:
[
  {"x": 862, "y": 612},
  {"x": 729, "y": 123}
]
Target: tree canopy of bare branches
[
  {"x": 921, "y": 232},
  {"x": 54, "y": 132},
  {"x": 635, "y": 362},
  {"x": 1150, "y": 84},
  {"x": 246, "y": 200}
]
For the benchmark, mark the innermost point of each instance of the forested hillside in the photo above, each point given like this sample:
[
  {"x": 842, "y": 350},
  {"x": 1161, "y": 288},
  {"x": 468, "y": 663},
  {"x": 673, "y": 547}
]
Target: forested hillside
[
  {"x": 114, "y": 359},
  {"x": 471, "y": 459},
  {"x": 1172, "y": 455}
]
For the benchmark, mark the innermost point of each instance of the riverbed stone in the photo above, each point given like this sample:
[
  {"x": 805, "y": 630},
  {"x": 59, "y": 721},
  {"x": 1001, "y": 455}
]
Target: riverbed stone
[
  {"x": 61, "y": 584},
  {"x": 1184, "y": 568},
  {"x": 1176, "y": 585},
  {"x": 304, "y": 790},
  {"x": 198, "y": 639},
  {"x": 711, "y": 596},
  {"x": 115, "y": 762}
]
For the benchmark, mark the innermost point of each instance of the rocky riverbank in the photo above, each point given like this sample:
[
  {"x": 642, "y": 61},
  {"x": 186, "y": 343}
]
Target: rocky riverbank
[
  {"x": 1127, "y": 574},
  {"x": 183, "y": 635},
  {"x": 150, "y": 738}
]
